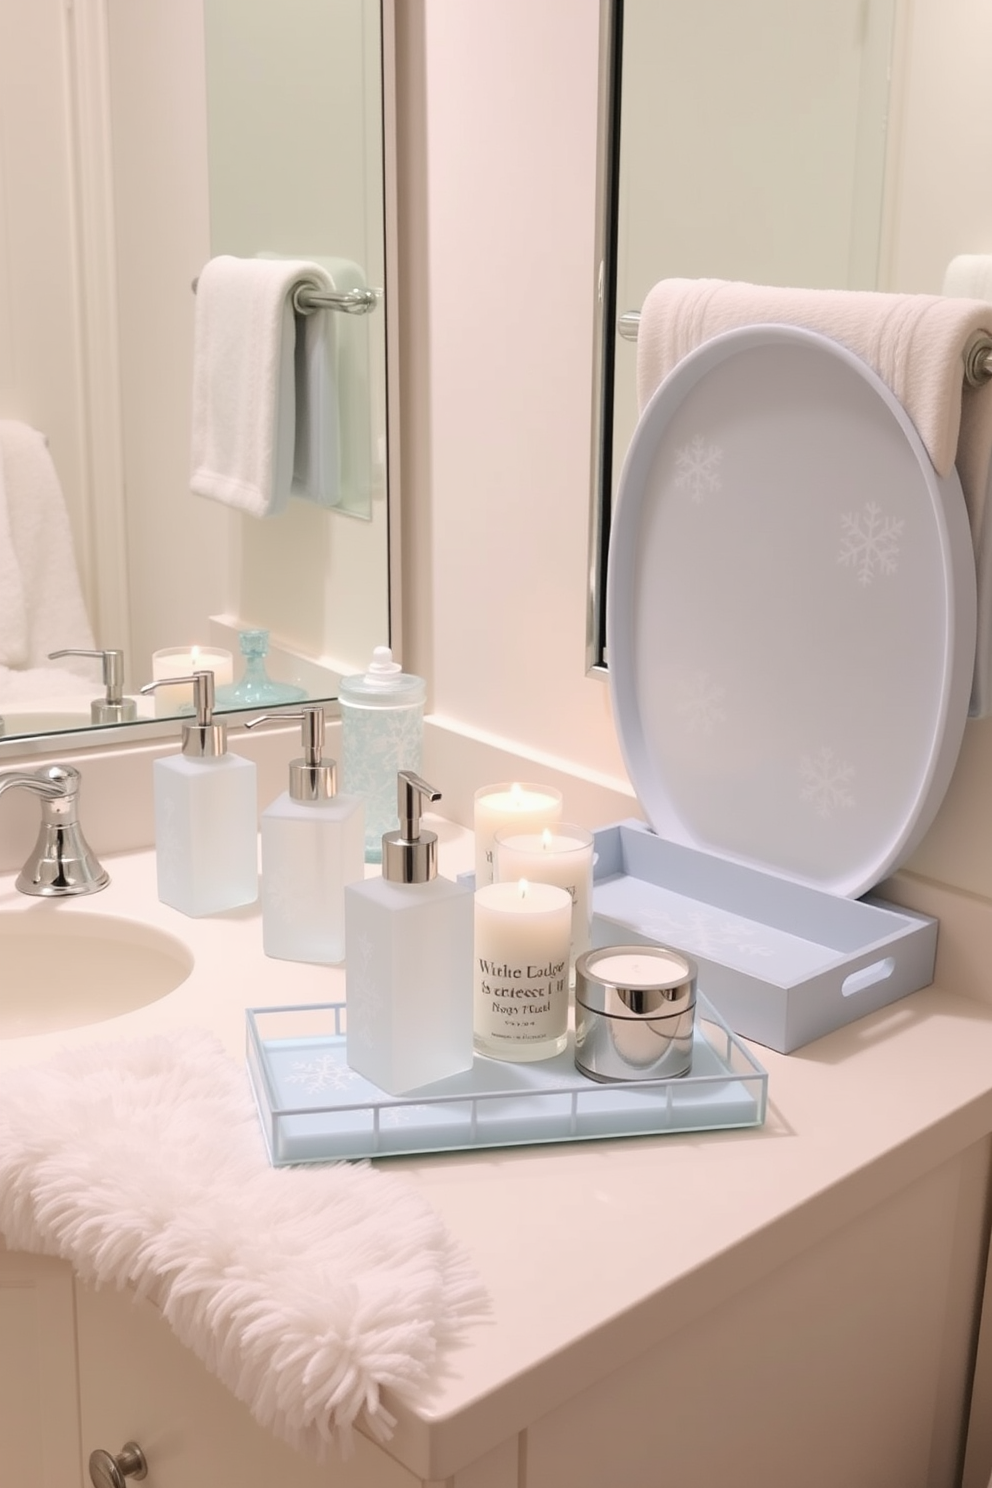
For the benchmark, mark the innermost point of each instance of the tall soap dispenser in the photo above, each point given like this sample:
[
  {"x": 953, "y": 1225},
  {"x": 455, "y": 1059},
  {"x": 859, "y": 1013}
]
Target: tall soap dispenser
[
  {"x": 313, "y": 843},
  {"x": 408, "y": 976},
  {"x": 206, "y": 837}
]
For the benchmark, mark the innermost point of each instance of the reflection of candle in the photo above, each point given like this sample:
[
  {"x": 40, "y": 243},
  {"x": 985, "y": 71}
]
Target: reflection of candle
[
  {"x": 559, "y": 855},
  {"x": 522, "y": 931},
  {"x": 526, "y": 807},
  {"x": 183, "y": 661}
]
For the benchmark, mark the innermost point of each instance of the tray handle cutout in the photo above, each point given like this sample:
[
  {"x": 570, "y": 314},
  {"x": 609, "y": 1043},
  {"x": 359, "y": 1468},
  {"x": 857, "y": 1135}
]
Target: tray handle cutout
[{"x": 858, "y": 981}]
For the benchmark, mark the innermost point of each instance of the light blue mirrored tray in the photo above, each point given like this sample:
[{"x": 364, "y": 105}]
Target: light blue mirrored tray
[{"x": 314, "y": 1108}]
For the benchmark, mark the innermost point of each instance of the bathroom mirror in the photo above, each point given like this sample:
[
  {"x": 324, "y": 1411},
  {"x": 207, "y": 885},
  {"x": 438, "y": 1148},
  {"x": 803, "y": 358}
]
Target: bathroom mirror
[
  {"x": 137, "y": 142},
  {"x": 827, "y": 144}
]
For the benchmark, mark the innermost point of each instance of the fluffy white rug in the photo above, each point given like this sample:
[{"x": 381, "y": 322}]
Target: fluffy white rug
[{"x": 306, "y": 1290}]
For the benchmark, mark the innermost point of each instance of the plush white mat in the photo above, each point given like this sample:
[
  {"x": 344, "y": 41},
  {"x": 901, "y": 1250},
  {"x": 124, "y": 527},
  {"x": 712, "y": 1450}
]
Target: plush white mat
[{"x": 305, "y": 1290}]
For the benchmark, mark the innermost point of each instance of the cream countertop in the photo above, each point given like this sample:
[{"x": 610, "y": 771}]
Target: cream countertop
[{"x": 594, "y": 1252}]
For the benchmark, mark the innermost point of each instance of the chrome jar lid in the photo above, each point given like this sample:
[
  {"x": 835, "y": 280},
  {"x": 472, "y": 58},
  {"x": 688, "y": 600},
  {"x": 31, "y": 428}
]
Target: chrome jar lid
[
  {"x": 634, "y": 1012},
  {"x": 635, "y": 981}
]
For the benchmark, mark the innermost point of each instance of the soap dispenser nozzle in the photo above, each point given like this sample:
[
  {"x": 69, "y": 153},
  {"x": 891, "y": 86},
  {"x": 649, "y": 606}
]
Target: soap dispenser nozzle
[
  {"x": 410, "y": 854},
  {"x": 203, "y": 739},
  {"x": 311, "y": 778},
  {"x": 113, "y": 707}
]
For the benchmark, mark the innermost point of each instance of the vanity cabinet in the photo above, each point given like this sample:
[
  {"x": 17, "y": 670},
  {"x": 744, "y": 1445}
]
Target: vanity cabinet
[
  {"x": 39, "y": 1410},
  {"x": 137, "y": 1382},
  {"x": 831, "y": 1350}
]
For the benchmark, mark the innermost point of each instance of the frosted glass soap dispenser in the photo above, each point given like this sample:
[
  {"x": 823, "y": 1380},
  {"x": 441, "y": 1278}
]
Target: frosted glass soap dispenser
[
  {"x": 206, "y": 834},
  {"x": 313, "y": 843},
  {"x": 408, "y": 976}
]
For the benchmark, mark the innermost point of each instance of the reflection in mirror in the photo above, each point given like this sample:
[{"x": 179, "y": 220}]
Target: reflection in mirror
[
  {"x": 771, "y": 142},
  {"x": 187, "y": 130}
]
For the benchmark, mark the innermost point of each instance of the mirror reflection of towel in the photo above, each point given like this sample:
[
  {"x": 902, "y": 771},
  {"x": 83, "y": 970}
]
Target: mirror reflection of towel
[
  {"x": 13, "y": 611},
  {"x": 36, "y": 540},
  {"x": 261, "y": 377}
]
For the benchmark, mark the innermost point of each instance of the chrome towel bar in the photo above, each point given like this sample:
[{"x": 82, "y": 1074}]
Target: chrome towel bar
[
  {"x": 307, "y": 299},
  {"x": 977, "y": 355}
]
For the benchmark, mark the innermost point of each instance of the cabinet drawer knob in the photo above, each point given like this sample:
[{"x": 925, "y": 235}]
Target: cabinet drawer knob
[{"x": 110, "y": 1472}]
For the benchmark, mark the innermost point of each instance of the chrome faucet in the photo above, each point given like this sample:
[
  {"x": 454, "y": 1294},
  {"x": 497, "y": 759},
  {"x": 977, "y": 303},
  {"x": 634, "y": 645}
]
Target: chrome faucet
[{"x": 62, "y": 861}]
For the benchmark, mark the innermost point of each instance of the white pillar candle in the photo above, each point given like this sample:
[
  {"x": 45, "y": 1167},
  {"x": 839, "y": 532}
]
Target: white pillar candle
[
  {"x": 522, "y": 931},
  {"x": 183, "y": 661},
  {"x": 526, "y": 807},
  {"x": 559, "y": 855}
]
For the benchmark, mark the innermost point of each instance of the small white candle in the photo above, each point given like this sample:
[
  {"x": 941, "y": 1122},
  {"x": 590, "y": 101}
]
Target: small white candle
[
  {"x": 183, "y": 661},
  {"x": 526, "y": 807},
  {"x": 522, "y": 931},
  {"x": 559, "y": 855}
]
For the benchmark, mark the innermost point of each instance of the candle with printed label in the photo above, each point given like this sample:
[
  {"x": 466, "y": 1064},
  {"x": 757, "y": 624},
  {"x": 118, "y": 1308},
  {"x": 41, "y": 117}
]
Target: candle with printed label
[
  {"x": 526, "y": 807},
  {"x": 559, "y": 855},
  {"x": 522, "y": 934}
]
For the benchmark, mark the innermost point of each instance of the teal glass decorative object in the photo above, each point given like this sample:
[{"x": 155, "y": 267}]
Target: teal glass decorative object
[{"x": 255, "y": 688}]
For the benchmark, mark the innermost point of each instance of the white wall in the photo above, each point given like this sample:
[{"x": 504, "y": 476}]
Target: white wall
[{"x": 496, "y": 551}]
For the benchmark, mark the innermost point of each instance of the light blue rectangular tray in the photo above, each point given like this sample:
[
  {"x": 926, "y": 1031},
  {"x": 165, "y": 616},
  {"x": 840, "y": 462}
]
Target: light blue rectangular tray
[
  {"x": 781, "y": 962},
  {"x": 314, "y": 1108}
]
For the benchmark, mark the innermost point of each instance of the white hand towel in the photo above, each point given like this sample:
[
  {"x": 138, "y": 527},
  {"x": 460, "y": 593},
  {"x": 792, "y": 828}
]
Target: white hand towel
[
  {"x": 42, "y": 539},
  {"x": 244, "y": 380},
  {"x": 13, "y": 609},
  {"x": 915, "y": 343},
  {"x": 969, "y": 276}
]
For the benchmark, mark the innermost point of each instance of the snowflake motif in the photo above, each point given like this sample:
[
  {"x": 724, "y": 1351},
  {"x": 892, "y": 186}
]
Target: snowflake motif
[
  {"x": 395, "y": 1116},
  {"x": 706, "y": 934},
  {"x": 698, "y": 702},
  {"x": 325, "y": 1073},
  {"x": 826, "y": 779},
  {"x": 870, "y": 544},
  {"x": 696, "y": 468}
]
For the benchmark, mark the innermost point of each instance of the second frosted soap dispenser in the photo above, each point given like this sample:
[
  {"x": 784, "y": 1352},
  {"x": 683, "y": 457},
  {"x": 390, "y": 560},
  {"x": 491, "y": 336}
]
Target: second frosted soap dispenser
[
  {"x": 313, "y": 843},
  {"x": 206, "y": 838}
]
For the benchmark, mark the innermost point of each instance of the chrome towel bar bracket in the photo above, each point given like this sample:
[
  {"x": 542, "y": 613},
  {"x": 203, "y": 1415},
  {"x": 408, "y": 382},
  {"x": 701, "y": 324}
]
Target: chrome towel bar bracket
[
  {"x": 977, "y": 355},
  {"x": 307, "y": 299}
]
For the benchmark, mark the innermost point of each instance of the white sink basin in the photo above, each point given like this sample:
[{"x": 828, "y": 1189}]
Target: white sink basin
[{"x": 63, "y": 969}]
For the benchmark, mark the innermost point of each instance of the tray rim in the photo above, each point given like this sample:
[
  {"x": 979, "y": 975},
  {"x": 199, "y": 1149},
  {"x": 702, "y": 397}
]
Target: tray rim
[{"x": 754, "y": 1076}]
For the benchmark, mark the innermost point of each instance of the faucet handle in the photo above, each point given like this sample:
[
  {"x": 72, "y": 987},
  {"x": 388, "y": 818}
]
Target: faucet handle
[
  {"x": 114, "y": 707},
  {"x": 62, "y": 862}
]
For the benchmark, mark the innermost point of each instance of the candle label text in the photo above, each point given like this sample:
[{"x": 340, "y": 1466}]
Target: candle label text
[{"x": 521, "y": 1004}]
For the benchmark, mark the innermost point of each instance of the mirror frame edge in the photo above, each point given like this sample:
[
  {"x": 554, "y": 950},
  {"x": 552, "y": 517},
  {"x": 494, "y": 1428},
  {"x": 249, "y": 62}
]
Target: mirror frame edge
[{"x": 604, "y": 335}]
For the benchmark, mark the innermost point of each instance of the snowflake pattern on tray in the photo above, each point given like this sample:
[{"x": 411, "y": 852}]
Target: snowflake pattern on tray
[
  {"x": 705, "y": 933},
  {"x": 698, "y": 702},
  {"x": 697, "y": 468},
  {"x": 825, "y": 782},
  {"x": 870, "y": 542},
  {"x": 327, "y": 1072}
]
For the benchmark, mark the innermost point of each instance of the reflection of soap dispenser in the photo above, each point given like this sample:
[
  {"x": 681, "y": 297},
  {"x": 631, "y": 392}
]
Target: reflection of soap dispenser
[
  {"x": 313, "y": 843},
  {"x": 206, "y": 839},
  {"x": 382, "y": 727},
  {"x": 113, "y": 707},
  {"x": 409, "y": 972}
]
